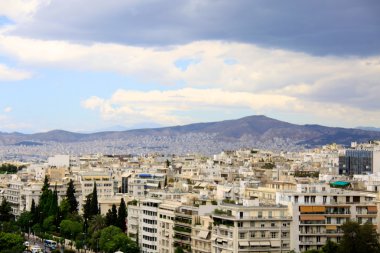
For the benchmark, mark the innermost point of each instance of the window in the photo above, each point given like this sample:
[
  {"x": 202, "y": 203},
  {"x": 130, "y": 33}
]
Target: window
[
  {"x": 312, "y": 199},
  {"x": 273, "y": 235},
  {"x": 270, "y": 214},
  {"x": 252, "y": 234},
  {"x": 272, "y": 224},
  {"x": 262, "y": 225},
  {"x": 242, "y": 235},
  {"x": 307, "y": 199},
  {"x": 296, "y": 199},
  {"x": 262, "y": 234},
  {"x": 318, "y": 239},
  {"x": 324, "y": 199},
  {"x": 240, "y": 224},
  {"x": 260, "y": 214}
]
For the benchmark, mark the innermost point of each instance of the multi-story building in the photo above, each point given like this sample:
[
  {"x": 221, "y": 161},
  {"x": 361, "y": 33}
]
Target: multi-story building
[
  {"x": 201, "y": 234},
  {"x": 148, "y": 226},
  {"x": 166, "y": 217},
  {"x": 319, "y": 211},
  {"x": 359, "y": 161},
  {"x": 251, "y": 227}
]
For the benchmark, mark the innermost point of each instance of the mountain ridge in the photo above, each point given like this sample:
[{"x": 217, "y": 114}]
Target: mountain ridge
[{"x": 256, "y": 127}]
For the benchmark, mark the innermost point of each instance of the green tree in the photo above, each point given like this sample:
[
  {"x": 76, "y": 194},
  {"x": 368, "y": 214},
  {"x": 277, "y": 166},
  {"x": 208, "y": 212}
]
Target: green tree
[
  {"x": 25, "y": 221},
  {"x": 53, "y": 209},
  {"x": 70, "y": 196},
  {"x": 113, "y": 239},
  {"x": 122, "y": 215},
  {"x": 48, "y": 224},
  {"x": 64, "y": 208},
  {"x": 6, "y": 211},
  {"x": 359, "y": 238},
  {"x": 10, "y": 243},
  {"x": 45, "y": 200},
  {"x": 87, "y": 207},
  {"x": 330, "y": 247},
  {"x": 179, "y": 250},
  {"x": 70, "y": 229},
  {"x": 94, "y": 201},
  {"x": 34, "y": 212},
  {"x": 111, "y": 216}
]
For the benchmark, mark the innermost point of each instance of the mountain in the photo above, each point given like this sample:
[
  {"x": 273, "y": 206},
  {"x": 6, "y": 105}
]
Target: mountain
[
  {"x": 251, "y": 129},
  {"x": 368, "y": 128}
]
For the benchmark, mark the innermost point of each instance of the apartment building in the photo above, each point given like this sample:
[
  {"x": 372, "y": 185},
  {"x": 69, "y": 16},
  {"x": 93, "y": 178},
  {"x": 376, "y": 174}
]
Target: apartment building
[
  {"x": 201, "y": 234},
  {"x": 319, "y": 211},
  {"x": 166, "y": 217},
  {"x": 148, "y": 225},
  {"x": 250, "y": 227}
]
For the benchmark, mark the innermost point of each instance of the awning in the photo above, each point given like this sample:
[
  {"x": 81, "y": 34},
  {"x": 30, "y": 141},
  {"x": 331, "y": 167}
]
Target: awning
[
  {"x": 372, "y": 209},
  {"x": 331, "y": 227},
  {"x": 254, "y": 244},
  {"x": 219, "y": 240},
  {"x": 152, "y": 185},
  {"x": 197, "y": 184},
  {"x": 203, "y": 234},
  {"x": 244, "y": 244},
  {"x": 312, "y": 209},
  {"x": 312, "y": 217},
  {"x": 203, "y": 185},
  {"x": 265, "y": 243},
  {"x": 275, "y": 244}
]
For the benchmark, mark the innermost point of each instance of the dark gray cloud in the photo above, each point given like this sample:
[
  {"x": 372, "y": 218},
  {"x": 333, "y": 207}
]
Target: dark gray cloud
[{"x": 320, "y": 27}]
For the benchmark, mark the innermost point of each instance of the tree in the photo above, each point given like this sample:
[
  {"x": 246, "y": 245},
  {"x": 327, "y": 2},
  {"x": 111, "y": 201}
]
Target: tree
[
  {"x": 6, "y": 211},
  {"x": 94, "y": 201},
  {"x": 53, "y": 209},
  {"x": 359, "y": 238},
  {"x": 70, "y": 196},
  {"x": 122, "y": 215},
  {"x": 96, "y": 223},
  {"x": 87, "y": 207},
  {"x": 111, "y": 216},
  {"x": 34, "y": 212},
  {"x": 45, "y": 200},
  {"x": 178, "y": 250},
  {"x": 10, "y": 243},
  {"x": 113, "y": 239},
  {"x": 330, "y": 247},
  {"x": 25, "y": 221},
  {"x": 70, "y": 229}
]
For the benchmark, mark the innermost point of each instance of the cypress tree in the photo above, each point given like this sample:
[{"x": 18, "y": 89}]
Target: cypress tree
[
  {"x": 5, "y": 211},
  {"x": 111, "y": 216},
  {"x": 53, "y": 209},
  {"x": 45, "y": 200},
  {"x": 94, "y": 201},
  {"x": 122, "y": 215},
  {"x": 70, "y": 196},
  {"x": 87, "y": 207}
]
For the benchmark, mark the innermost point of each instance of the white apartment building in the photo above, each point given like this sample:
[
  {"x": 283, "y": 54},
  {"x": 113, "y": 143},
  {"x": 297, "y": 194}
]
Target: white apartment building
[
  {"x": 250, "y": 227},
  {"x": 318, "y": 212},
  {"x": 166, "y": 216},
  {"x": 148, "y": 225}
]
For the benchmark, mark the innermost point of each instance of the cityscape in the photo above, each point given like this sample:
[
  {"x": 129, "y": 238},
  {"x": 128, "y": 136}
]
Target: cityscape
[{"x": 192, "y": 126}]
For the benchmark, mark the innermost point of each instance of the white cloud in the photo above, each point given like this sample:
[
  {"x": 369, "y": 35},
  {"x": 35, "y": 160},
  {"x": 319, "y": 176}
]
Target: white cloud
[
  {"x": 9, "y": 74},
  {"x": 218, "y": 75},
  {"x": 20, "y": 10},
  {"x": 8, "y": 109},
  {"x": 171, "y": 107}
]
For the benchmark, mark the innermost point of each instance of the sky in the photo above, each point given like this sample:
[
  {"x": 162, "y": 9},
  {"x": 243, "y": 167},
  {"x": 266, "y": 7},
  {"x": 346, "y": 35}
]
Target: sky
[{"x": 90, "y": 65}]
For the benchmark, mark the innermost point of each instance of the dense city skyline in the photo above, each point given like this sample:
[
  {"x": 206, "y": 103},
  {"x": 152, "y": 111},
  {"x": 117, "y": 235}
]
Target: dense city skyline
[{"x": 90, "y": 65}]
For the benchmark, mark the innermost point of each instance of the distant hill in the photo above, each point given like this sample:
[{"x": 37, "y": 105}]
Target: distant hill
[
  {"x": 258, "y": 128},
  {"x": 368, "y": 128}
]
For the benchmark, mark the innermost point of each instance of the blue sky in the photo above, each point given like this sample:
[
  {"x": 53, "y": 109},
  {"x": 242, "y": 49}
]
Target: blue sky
[{"x": 89, "y": 65}]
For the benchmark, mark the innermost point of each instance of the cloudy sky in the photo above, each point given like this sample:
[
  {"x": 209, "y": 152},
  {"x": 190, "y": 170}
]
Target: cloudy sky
[{"x": 86, "y": 65}]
